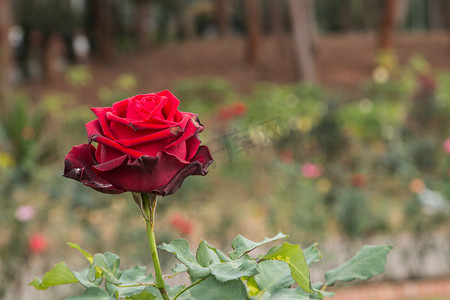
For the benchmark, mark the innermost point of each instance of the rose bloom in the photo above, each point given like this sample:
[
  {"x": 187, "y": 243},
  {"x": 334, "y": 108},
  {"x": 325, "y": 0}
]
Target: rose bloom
[
  {"x": 145, "y": 145},
  {"x": 310, "y": 170}
]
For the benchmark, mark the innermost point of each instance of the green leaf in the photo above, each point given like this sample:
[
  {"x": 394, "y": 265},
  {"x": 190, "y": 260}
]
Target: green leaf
[
  {"x": 60, "y": 274},
  {"x": 312, "y": 254},
  {"x": 242, "y": 245},
  {"x": 85, "y": 280},
  {"x": 273, "y": 274},
  {"x": 172, "y": 291},
  {"x": 93, "y": 293},
  {"x": 235, "y": 269},
  {"x": 293, "y": 256},
  {"x": 150, "y": 293},
  {"x": 180, "y": 248},
  {"x": 109, "y": 264},
  {"x": 211, "y": 289},
  {"x": 222, "y": 256},
  {"x": 316, "y": 287},
  {"x": 252, "y": 285},
  {"x": 289, "y": 294},
  {"x": 179, "y": 268},
  {"x": 135, "y": 276},
  {"x": 368, "y": 262},
  {"x": 86, "y": 254},
  {"x": 205, "y": 256},
  {"x": 145, "y": 295}
]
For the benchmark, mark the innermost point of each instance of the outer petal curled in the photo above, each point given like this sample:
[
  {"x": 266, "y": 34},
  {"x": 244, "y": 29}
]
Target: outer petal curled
[
  {"x": 78, "y": 165},
  {"x": 161, "y": 175}
]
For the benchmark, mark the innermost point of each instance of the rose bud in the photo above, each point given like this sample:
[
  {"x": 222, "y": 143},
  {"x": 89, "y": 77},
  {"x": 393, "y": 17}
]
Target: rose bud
[{"x": 145, "y": 145}]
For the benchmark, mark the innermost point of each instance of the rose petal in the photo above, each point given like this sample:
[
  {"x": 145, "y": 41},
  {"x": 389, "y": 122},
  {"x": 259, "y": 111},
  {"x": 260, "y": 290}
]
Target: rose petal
[
  {"x": 95, "y": 134},
  {"x": 119, "y": 109},
  {"x": 155, "y": 106},
  {"x": 100, "y": 113},
  {"x": 78, "y": 166},
  {"x": 192, "y": 128},
  {"x": 192, "y": 145},
  {"x": 198, "y": 167},
  {"x": 171, "y": 107},
  {"x": 162, "y": 134},
  {"x": 163, "y": 174},
  {"x": 204, "y": 157}
]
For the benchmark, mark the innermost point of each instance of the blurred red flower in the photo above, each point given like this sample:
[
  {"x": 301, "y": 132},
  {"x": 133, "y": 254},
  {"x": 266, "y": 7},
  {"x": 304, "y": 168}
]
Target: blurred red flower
[
  {"x": 180, "y": 223},
  {"x": 287, "y": 156},
  {"x": 239, "y": 109},
  {"x": 37, "y": 243},
  {"x": 358, "y": 180}
]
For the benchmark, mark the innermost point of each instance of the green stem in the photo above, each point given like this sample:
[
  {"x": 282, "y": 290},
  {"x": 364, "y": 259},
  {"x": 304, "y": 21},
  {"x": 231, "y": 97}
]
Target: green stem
[
  {"x": 149, "y": 207},
  {"x": 188, "y": 287}
]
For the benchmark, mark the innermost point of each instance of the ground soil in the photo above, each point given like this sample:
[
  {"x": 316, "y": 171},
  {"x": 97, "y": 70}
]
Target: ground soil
[{"x": 343, "y": 62}]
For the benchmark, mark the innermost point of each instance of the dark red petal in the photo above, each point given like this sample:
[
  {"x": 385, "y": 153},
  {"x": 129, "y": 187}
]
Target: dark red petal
[
  {"x": 198, "y": 166},
  {"x": 142, "y": 175},
  {"x": 78, "y": 165},
  {"x": 203, "y": 156}
]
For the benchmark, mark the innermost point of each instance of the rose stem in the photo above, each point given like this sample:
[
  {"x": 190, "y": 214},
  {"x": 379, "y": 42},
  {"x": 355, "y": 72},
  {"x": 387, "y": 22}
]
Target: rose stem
[{"x": 149, "y": 205}]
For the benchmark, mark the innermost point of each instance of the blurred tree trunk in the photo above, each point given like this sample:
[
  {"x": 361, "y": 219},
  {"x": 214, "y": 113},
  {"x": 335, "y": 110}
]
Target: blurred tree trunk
[
  {"x": 387, "y": 25},
  {"x": 221, "y": 16},
  {"x": 5, "y": 50},
  {"x": 253, "y": 30},
  {"x": 401, "y": 12},
  {"x": 103, "y": 14},
  {"x": 446, "y": 15},
  {"x": 345, "y": 14},
  {"x": 276, "y": 27},
  {"x": 142, "y": 18},
  {"x": 435, "y": 15},
  {"x": 301, "y": 14}
]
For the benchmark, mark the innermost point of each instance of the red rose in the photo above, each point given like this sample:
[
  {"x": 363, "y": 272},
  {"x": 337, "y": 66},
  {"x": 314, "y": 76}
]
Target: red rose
[{"x": 145, "y": 145}]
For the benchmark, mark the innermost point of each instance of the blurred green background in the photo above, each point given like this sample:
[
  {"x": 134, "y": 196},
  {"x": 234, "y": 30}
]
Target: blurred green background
[{"x": 328, "y": 121}]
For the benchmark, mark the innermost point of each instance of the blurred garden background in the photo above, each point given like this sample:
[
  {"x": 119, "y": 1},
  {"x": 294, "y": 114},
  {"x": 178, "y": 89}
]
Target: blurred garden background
[{"x": 328, "y": 120}]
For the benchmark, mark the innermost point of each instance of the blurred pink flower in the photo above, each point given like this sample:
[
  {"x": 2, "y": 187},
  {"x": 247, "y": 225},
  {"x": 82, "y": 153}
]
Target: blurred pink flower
[
  {"x": 25, "y": 213},
  {"x": 447, "y": 145},
  {"x": 37, "y": 243},
  {"x": 311, "y": 170}
]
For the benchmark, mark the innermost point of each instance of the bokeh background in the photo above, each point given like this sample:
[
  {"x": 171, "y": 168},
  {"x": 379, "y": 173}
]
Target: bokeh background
[{"x": 328, "y": 120}]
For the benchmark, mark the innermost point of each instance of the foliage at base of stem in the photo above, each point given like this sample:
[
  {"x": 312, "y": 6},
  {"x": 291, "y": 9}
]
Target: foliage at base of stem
[{"x": 281, "y": 273}]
